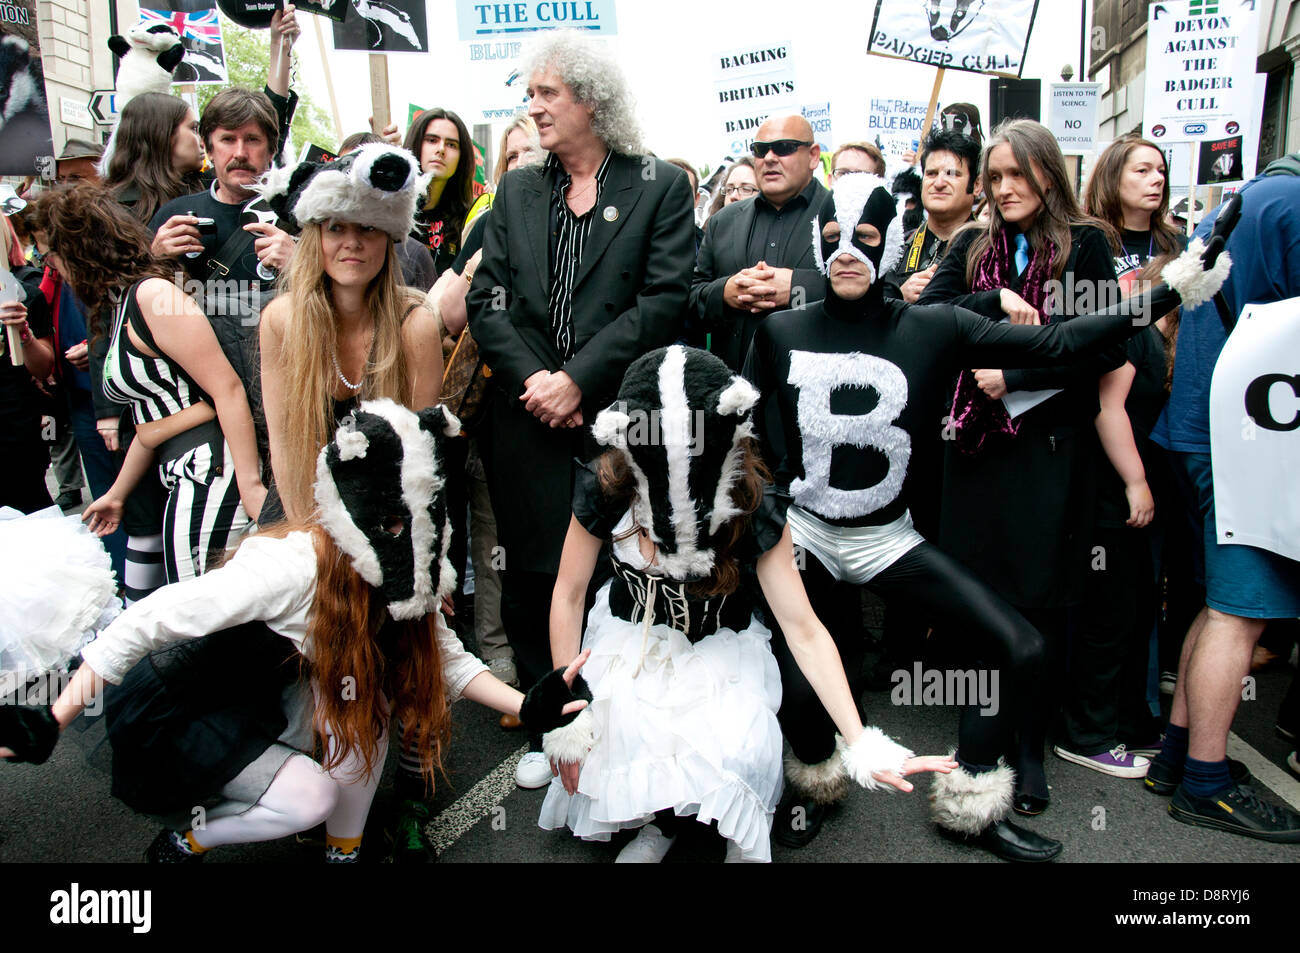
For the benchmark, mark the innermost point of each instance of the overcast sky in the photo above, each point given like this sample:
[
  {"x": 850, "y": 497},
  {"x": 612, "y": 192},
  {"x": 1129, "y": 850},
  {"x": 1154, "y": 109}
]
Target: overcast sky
[{"x": 668, "y": 49}]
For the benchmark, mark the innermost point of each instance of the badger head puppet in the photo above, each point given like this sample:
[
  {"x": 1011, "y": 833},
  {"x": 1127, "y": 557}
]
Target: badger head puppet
[
  {"x": 380, "y": 493},
  {"x": 377, "y": 185},
  {"x": 680, "y": 422},
  {"x": 150, "y": 54}
]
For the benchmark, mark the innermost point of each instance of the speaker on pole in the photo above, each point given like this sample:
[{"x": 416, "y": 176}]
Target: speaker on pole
[{"x": 1014, "y": 99}]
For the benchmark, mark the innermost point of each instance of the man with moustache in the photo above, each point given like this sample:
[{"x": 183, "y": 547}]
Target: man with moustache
[
  {"x": 236, "y": 257},
  {"x": 756, "y": 258}
]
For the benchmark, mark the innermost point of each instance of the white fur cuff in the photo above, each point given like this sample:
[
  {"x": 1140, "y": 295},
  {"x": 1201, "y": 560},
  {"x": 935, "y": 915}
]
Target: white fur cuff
[
  {"x": 1186, "y": 274},
  {"x": 968, "y": 803},
  {"x": 573, "y": 741},
  {"x": 873, "y": 751}
]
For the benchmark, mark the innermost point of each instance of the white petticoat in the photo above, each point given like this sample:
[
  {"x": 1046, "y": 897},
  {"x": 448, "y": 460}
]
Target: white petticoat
[
  {"x": 687, "y": 727},
  {"x": 57, "y": 589}
]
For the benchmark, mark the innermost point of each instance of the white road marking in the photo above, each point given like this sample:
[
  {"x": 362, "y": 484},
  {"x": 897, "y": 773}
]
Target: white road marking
[
  {"x": 1274, "y": 778},
  {"x": 454, "y": 822}
]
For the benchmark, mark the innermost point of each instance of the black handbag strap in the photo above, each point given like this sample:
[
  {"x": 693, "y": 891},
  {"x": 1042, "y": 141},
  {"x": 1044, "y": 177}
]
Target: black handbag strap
[{"x": 231, "y": 250}]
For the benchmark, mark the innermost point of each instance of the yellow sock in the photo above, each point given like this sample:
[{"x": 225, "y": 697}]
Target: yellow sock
[
  {"x": 195, "y": 845},
  {"x": 343, "y": 845}
]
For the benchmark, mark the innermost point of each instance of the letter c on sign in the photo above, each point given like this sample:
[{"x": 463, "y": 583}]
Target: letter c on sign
[{"x": 1257, "y": 404}]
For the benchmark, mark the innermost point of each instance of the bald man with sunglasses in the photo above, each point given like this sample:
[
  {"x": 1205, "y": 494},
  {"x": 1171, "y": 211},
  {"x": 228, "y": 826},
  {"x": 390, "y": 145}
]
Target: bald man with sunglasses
[{"x": 756, "y": 258}]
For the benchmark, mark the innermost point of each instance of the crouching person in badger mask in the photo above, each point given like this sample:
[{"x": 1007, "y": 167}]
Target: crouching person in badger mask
[
  {"x": 683, "y": 686},
  {"x": 320, "y": 630},
  {"x": 847, "y": 384}
]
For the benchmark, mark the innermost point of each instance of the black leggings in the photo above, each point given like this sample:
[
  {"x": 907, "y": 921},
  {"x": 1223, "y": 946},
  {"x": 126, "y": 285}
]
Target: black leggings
[{"x": 990, "y": 635}]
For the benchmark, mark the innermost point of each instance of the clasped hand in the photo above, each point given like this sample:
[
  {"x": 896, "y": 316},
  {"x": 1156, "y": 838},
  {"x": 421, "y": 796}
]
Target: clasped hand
[{"x": 553, "y": 398}]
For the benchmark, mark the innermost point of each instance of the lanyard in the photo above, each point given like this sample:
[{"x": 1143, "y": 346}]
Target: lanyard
[{"x": 914, "y": 251}]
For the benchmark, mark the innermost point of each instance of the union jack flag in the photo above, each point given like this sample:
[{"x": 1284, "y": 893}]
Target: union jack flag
[{"x": 202, "y": 26}]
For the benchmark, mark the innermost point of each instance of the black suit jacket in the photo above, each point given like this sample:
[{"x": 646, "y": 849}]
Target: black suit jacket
[
  {"x": 629, "y": 297},
  {"x": 725, "y": 252}
]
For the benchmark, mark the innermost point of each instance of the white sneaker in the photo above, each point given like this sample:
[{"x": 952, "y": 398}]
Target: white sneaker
[
  {"x": 504, "y": 669},
  {"x": 533, "y": 771},
  {"x": 649, "y": 847}
]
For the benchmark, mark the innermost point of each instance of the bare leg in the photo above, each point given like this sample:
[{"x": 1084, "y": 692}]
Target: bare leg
[
  {"x": 1214, "y": 668},
  {"x": 1178, "y": 710}
]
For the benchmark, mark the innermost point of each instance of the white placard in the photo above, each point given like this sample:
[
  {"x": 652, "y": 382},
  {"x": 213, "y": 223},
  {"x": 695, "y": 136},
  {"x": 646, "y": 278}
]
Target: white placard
[
  {"x": 1255, "y": 430},
  {"x": 1200, "y": 70},
  {"x": 896, "y": 125},
  {"x": 979, "y": 36},
  {"x": 1072, "y": 116},
  {"x": 750, "y": 83}
]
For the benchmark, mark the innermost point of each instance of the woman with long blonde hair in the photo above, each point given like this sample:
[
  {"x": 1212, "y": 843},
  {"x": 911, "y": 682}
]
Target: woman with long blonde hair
[{"x": 343, "y": 329}]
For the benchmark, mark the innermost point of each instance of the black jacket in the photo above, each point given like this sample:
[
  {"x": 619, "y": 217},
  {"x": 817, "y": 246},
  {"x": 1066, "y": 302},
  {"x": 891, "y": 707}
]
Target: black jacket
[
  {"x": 629, "y": 297},
  {"x": 725, "y": 251}
]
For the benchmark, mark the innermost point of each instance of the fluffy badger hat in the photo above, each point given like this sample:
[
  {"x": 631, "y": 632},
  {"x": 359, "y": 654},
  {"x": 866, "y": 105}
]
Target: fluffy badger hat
[
  {"x": 377, "y": 185},
  {"x": 380, "y": 493},
  {"x": 862, "y": 199},
  {"x": 680, "y": 421}
]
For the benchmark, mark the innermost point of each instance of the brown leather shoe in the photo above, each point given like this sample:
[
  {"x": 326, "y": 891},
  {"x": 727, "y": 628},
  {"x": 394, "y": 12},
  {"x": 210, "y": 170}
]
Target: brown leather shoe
[{"x": 509, "y": 723}]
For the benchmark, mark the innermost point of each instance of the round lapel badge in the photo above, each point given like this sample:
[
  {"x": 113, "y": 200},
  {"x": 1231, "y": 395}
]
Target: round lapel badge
[{"x": 610, "y": 213}]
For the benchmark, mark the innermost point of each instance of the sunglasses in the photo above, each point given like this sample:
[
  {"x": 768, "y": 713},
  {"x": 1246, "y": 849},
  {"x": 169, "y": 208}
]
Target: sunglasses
[{"x": 782, "y": 147}]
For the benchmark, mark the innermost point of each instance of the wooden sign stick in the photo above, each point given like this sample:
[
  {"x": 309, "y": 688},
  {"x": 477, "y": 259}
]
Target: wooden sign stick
[
  {"x": 379, "y": 90},
  {"x": 934, "y": 102},
  {"x": 329, "y": 80}
]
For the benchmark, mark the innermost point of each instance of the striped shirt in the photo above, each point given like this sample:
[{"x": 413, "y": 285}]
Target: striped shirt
[
  {"x": 155, "y": 387},
  {"x": 568, "y": 240}
]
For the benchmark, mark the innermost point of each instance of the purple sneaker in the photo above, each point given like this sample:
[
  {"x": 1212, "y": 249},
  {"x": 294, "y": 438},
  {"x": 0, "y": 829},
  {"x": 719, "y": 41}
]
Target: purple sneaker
[
  {"x": 1148, "y": 750},
  {"x": 1118, "y": 762}
]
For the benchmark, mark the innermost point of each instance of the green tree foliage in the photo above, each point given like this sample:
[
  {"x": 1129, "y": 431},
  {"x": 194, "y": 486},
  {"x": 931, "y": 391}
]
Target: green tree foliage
[{"x": 248, "y": 56}]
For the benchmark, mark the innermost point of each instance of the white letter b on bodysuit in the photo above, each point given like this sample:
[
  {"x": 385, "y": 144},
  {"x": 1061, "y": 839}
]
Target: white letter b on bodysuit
[{"x": 820, "y": 431}]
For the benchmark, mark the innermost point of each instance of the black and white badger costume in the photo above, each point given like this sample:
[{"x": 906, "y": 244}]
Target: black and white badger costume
[
  {"x": 685, "y": 687},
  {"x": 149, "y": 56},
  {"x": 845, "y": 385}
]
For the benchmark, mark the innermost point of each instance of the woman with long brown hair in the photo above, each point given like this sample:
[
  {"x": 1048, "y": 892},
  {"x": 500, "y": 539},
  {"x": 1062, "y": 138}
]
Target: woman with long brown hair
[
  {"x": 163, "y": 360},
  {"x": 354, "y": 594},
  {"x": 1018, "y": 472},
  {"x": 685, "y": 688},
  {"x": 157, "y": 154}
]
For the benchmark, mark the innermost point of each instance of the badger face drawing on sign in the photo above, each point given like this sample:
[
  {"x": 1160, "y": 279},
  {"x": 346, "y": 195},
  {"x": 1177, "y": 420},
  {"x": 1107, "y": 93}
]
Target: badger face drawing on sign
[
  {"x": 680, "y": 422},
  {"x": 949, "y": 17},
  {"x": 378, "y": 14},
  {"x": 380, "y": 491}
]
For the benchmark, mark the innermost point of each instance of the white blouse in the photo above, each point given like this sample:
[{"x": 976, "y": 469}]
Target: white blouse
[{"x": 268, "y": 579}]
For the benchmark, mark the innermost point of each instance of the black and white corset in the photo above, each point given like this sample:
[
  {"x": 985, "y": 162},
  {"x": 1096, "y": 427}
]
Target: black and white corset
[{"x": 643, "y": 597}]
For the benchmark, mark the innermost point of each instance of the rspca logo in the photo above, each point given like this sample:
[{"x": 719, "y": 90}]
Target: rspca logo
[{"x": 1195, "y": 128}]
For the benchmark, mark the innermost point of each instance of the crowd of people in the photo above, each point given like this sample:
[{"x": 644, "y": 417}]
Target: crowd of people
[{"x": 672, "y": 429}]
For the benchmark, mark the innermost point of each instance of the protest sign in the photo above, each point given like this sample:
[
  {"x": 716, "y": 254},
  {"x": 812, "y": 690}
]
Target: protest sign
[
  {"x": 750, "y": 83},
  {"x": 979, "y": 36},
  {"x": 497, "y": 20},
  {"x": 1255, "y": 430},
  {"x": 1200, "y": 72},
  {"x": 1072, "y": 116},
  {"x": 200, "y": 30},
  {"x": 383, "y": 26},
  {"x": 895, "y": 125},
  {"x": 26, "y": 145}
]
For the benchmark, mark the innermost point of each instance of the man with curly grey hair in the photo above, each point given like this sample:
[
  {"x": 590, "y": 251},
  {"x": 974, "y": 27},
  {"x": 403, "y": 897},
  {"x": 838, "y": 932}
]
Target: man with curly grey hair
[{"x": 586, "y": 266}]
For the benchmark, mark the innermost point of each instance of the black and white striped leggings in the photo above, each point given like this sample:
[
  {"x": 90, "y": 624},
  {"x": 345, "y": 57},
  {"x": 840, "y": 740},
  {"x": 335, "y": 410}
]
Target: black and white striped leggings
[{"x": 203, "y": 514}]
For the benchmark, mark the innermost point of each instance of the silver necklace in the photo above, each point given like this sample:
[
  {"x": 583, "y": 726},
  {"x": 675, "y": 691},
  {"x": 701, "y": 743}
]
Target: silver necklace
[{"x": 339, "y": 371}]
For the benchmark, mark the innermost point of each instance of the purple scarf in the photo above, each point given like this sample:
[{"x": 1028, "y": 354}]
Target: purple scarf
[{"x": 975, "y": 417}]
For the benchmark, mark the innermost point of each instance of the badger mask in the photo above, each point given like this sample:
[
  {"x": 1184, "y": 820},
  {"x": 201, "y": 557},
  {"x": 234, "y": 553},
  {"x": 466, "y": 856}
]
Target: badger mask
[
  {"x": 680, "y": 421},
  {"x": 862, "y": 198},
  {"x": 377, "y": 185},
  {"x": 380, "y": 493}
]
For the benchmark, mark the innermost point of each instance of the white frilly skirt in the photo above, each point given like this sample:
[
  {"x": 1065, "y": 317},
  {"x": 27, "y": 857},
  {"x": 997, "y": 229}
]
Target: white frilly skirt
[
  {"x": 691, "y": 728},
  {"x": 58, "y": 589}
]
